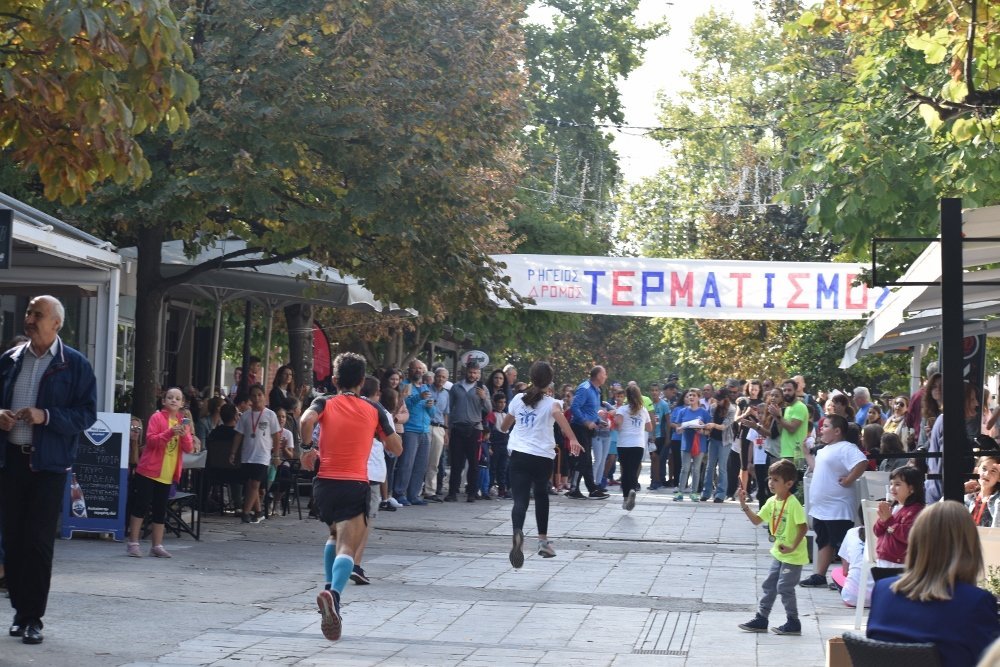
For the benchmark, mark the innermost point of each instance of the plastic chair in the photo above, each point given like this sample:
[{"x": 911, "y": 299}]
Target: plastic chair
[
  {"x": 867, "y": 652},
  {"x": 870, "y": 510},
  {"x": 299, "y": 479}
]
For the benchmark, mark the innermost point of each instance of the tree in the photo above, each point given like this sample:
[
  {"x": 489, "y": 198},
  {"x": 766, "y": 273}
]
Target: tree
[
  {"x": 378, "y": 138},
  {"x": 867, "y": 155},
  {"x": 80, "y": 79}
]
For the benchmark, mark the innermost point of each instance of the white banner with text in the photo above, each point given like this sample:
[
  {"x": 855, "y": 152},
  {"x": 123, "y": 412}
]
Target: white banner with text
[{"x": 697, "y": 288}]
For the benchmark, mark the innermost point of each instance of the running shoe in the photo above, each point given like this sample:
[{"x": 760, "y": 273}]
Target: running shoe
[
  {"x": 630, "y": 501},
  {"x": 133, "y": 550},
  {"x": 395, "y": 503},
  {"x": 384, "y": 506},
  {"x": 599, "y": 495},
  {"x": 159, "y": 552},
  {"x": 545, "y": 549},
  {"x": 359, "y": 577},
  {"x": 329, "y": 606},
  {"x": 678, "y": 497},
  {"x": 695, "y": 497},
  {"x": 575, "y": 494},
  {"x": 516, "y": 551}
]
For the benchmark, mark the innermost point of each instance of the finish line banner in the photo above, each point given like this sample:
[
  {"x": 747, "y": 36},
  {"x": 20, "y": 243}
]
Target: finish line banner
[{"x": 707, "y": 289}]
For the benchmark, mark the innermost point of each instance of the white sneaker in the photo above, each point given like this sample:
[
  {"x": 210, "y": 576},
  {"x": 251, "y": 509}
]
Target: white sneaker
[{"x": 395, "y": 503}]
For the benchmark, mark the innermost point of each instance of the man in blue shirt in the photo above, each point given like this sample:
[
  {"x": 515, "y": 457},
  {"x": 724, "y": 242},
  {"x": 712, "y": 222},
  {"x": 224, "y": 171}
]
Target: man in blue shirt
[{"x": 586, "y": 403}]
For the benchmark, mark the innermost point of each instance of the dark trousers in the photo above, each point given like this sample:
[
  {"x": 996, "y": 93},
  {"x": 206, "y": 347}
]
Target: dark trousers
[
  {"x": 662, "y": 453},
  {"x": 733, "y": 474},
  {"x": 584, "y": 464},
  {"x": 675, "y": 462},
  {"x": 463, "y": 448},
  {"x": 631, "y": 458},
  {"x": 760, "y": 471},
  {"x": 498, "y": 467},
  {"x": 31, "y": 503},
  {"x": 530, "y": 473}
]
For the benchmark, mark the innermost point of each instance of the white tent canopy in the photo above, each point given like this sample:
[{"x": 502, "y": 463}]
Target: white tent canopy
[{"x": 911, "y": 315}]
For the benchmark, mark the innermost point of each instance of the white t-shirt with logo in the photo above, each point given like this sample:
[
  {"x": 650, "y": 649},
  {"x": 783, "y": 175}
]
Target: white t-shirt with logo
[
  {"x": 257, "y": 429},
  {"x": 632, "y": 432},
  {"x": 533, "y": 433},
  {"x": 828, "y": 500}
]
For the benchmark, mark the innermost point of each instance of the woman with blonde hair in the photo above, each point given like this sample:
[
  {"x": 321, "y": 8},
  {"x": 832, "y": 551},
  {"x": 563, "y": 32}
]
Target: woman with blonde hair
[{"x": 936, "y": 598}]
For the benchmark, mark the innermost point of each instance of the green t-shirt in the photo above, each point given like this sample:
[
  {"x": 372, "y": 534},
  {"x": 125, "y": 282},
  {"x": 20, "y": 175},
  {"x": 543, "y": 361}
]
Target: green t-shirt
[
  {"x": 791, "y": 442},
  {"x": 789, "y": 515}
]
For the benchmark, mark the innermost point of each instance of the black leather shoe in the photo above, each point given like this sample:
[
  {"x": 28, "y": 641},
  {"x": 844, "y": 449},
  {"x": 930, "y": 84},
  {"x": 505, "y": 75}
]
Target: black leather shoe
[
  {"x": 32, "y": 634},
  {"x": 16, "y": 630}
]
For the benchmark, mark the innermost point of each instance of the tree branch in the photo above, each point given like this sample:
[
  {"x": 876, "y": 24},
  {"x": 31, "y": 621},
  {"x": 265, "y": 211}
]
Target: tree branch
[
  {"x": 226, "y": 262},
  {"x": 969, "y": 48}
]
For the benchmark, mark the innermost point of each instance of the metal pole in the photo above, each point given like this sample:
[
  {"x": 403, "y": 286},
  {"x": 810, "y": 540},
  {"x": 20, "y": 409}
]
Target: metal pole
[
  {"x": 956, "y": 446},
  {"x": 267, "y": 346},
  {"x": 245, "y": 377},
  {"x": 214, "y": 379}
]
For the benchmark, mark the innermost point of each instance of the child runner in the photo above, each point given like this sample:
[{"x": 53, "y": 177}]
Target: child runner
[
  {"x": 340, "y": 489},
  {"x": 376, "y": 477},
  {"x": 159, "y": 467},
  {"x": 786, "y": 522},
  {"x": 532, "y": 448},
  {"x": 633, "y": 423}
]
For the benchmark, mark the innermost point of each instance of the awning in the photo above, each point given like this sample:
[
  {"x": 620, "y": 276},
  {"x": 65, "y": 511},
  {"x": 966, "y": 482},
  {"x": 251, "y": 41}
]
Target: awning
[
  {"x": 911, "y": 315},
  {"x": 273, "y": 285}
]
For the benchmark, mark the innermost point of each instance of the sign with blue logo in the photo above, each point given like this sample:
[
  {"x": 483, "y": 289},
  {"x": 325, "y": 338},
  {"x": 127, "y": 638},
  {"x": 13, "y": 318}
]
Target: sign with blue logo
[{"x": 97, "y": 485}]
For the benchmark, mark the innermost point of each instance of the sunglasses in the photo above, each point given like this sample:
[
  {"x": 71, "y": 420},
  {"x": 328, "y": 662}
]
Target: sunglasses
[{"x": 899, "y": 404}]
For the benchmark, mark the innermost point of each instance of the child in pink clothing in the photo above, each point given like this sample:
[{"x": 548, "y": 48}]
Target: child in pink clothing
[{"x": 167, "y": 436}]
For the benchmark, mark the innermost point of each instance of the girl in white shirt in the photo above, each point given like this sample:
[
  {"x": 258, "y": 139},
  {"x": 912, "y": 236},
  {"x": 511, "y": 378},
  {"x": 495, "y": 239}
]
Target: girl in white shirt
[
  {"x": 633, "y": 423},
  {"x": 532, "y": 448}
]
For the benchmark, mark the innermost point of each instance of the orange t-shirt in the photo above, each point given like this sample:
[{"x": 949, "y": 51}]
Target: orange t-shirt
[{"x": 347, "y": 425}]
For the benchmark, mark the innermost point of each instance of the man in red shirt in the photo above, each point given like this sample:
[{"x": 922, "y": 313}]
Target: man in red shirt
[{"x": 347, "y": 426}]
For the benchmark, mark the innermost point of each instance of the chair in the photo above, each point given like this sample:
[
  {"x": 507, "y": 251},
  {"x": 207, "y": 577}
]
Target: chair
[
  {"x": 220, "y": 472},
  {"x": 867, "y": 652},
  {"x": 871, "y": 485},
  {"x": 869, "y": 509},
  {"x": 300, "y": 479},
  {"x": 190, "y": 499}
]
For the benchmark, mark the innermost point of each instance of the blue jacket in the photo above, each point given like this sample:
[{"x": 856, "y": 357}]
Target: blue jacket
[
  {"x": 586, "y": 403},
  {"x": 68, "y": 390},
  {"x": 961, "y": 627},
  {"x": 420, "y": 414}
]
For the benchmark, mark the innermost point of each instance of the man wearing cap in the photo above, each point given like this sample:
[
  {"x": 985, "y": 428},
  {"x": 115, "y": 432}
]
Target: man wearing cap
[
  {"x": 468, "y": 402},
  {"x": 48, "y": 397}
]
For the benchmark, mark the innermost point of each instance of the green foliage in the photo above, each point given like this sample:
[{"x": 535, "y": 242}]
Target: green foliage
[{"x": 80, "y": 79}]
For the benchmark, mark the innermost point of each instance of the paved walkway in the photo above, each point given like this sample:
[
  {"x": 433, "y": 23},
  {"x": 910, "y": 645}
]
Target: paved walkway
[{"x": 665, "y": 584}]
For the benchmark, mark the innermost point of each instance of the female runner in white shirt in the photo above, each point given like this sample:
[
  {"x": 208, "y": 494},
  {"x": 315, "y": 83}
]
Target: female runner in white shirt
[
  {"x": 532, "y": 449},
  {"x": 633, "y": 423}
]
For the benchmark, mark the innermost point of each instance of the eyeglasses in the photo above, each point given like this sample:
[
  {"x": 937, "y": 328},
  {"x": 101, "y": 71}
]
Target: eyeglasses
[{"x": 899, "y": 404}]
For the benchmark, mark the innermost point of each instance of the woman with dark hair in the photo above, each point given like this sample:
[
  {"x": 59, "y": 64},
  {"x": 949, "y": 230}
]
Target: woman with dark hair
[
  {"x": 753, "y": 399},
  {"x": 984, "y": 504},
  {"x": 720, "y": 439},
  {"x": 282, "y": 389},
  {"x": 531, "y": 415},
  {"x": 496, "y": 382},
  {"x": 936, "y": 441},
  {"x": 632, "y": 423},
  {"x": 930, "y": 410}
]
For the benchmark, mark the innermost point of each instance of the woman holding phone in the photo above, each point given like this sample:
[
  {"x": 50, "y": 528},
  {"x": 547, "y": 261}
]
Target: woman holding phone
[{"x": 167, "y": 435}]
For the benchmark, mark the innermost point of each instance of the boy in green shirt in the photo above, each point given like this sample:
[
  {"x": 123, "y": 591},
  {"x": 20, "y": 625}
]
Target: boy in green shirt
[{"x": 786, "y": 522}]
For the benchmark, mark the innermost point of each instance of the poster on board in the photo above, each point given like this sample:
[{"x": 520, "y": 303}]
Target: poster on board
[{"x": 97, "y": 486}]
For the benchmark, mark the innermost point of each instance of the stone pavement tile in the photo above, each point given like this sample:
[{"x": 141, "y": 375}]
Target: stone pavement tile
[
  {"x": 420, "y": 620},
  {"x": 276, "y": 620},
  {"x": 491, "y": 657},
  {"x": 485, "y": 623},
  {"x": 183, "y": 658},
  {"x": 640, "y": 660},
  {"x": 549, "y": 625},
  {"x": 610, "y": 629},
  {"x": 429, "y": 655}
]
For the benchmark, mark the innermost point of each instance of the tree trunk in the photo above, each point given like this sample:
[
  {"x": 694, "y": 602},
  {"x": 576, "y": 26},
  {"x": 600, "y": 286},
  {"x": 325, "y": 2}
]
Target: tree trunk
[
  {"x": 149, "y": 298},
  {"x": 299, "y": 321}
]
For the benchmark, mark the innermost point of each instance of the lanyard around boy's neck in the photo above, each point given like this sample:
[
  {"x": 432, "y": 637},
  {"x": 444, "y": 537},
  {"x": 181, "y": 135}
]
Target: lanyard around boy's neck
[{"x": 777, "y": 522}]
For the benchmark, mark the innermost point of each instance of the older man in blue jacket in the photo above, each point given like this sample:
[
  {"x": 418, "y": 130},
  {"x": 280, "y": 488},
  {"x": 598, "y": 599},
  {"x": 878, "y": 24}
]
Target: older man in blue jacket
[
  {"x": 586, "y": 404},
  {"x": 48, "y": 397}
]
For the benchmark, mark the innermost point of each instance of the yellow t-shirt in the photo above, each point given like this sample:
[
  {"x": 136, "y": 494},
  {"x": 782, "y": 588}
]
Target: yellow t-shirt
[
  {"x": 170, "y": 455},
  {"x": 788, "y": 514}
]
